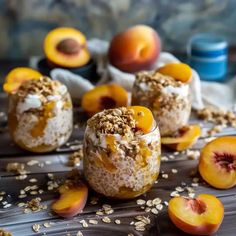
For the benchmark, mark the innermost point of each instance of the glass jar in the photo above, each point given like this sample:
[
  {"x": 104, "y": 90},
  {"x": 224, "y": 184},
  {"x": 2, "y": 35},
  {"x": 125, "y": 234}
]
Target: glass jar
[
  {"x": 118, "y": 166},
  {"x": 168, "y": 99},
  {"x": 40, "y": 116}
]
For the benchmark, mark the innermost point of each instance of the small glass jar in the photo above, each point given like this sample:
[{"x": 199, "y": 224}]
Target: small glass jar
[
  {"x": 168, "y": 99},
  {"x": 119, "y": 166},
  {"x": 40, "y": 116}
]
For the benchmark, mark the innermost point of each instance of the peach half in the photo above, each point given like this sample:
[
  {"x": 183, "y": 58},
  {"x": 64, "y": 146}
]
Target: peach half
[
  {"x": 72, "y": 200},
  {"x": 179, "y": 71},
  {"x": 198, "y": 216},
  {"x": 135, "y": 49},
  {"x": 144, "y": 118},
  {"x": 217, "y": 164},
  {"x": 186, "y": 137},
  {"x": 18, "y": 76},
  {"x": 66, "y": 47},
  {"x": 104, "y": 97}
]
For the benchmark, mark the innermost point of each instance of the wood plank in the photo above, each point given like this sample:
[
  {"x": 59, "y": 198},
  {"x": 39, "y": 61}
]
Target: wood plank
[{"x": 20, "y": 224}]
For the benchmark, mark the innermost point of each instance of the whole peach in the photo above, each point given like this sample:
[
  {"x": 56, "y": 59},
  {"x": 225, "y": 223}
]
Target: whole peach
[{"x": 135, "y": 49}]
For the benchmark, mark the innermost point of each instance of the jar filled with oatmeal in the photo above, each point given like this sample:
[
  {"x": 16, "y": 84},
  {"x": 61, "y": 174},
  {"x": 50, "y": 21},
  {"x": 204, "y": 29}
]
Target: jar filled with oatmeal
[
  {"x": 168, "y": 99},
  {"x": 122, "y": 152},
  {"x": 40, "y": 116}
]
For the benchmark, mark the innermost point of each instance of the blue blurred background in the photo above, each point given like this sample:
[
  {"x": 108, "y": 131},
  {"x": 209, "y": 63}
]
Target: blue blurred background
[{"x": 24, "y": 23}]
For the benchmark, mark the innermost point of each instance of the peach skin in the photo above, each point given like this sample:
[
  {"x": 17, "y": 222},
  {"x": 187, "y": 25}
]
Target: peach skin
[
  {"x": 135, "y": 49},
  {"x": 66, "y": 47},
  {"x": 72, "y": 200},
  {"x": 104, "y": 97},
  {"x": 18, "y": 76},
  {"x": 188, "y": 135},
  {"x": 179, "y": 71},
  {"x": 197, "y": 216},
  {"x": 217, "y": 164}
]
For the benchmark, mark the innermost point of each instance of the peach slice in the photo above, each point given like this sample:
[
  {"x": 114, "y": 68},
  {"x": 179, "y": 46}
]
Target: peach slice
[
  {"x": 18, "y": 76},
  {"x": 198, "y": 216},
  {"x": 135, "y": 49},
  {"x": 178, "y": 71},
  {"x": 66, "y": 47},
  {"x": 188, "y": 135},
  {"x": 217, "y": 164},
  {"x": 144, "y": 118},
  {"x": 72, "y": 200},
  {"x": 104, "y": 97}
]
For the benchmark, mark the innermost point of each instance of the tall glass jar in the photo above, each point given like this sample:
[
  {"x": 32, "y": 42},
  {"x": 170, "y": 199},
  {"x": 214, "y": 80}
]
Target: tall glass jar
[
  {"x": 116, "y": 164},
  {"x": 40, "y": 116},
  {"x": 168, "y": 99}
]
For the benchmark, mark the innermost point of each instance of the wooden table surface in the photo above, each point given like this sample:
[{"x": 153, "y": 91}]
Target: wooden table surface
[{"x": 13, "y": 219}]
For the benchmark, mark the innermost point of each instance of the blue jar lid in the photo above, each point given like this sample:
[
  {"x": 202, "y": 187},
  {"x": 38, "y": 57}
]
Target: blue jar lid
[{"x": 208, "y": 42}]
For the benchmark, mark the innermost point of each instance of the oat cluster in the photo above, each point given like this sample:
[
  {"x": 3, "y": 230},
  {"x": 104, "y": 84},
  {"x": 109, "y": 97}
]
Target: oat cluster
[
  {"x": 15, "y": 167},
  {"x": 114, "y": 121},
  {"x": 4, "y": 233},
  {"x": 35, "y": 205},
  {"x": 217, "y": 116},
  {"x": 76, "y": 157},
  {"x": 155, "y": 79},
  {"x": 44, "y": 86}
]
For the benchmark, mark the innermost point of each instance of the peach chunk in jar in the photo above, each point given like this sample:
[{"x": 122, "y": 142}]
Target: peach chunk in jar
[
  {"x": 40, "y": 115},
  {"x": 121, "y": 152}
]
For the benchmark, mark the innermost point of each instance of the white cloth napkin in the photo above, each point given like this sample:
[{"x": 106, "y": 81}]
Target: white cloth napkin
[{"x": 203, "y": 93}]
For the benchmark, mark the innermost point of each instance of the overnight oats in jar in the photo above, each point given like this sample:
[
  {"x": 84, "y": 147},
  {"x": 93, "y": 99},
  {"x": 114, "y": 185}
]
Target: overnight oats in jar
[
  {"x": 40, "y": 116},
  {"x": 122, "y": 152},
  {"x": 167, "y": 98}
]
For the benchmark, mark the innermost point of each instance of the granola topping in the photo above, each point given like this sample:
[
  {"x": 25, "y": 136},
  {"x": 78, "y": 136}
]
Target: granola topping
[
  {"x": 114, "y": 121},
  {"x": 166, "y": 97}
]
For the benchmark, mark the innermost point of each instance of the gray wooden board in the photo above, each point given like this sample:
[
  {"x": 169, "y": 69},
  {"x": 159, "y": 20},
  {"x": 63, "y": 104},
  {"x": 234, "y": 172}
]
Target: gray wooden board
[{"x": 20, "y": 224}]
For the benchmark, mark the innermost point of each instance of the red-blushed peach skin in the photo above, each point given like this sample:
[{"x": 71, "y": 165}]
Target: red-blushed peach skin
[
  {"x": 192, "y": 221},
  {"x": 135, "y": 49},
  {"x": 217, "y": 163},
  {"x": 71, "y": 202}
]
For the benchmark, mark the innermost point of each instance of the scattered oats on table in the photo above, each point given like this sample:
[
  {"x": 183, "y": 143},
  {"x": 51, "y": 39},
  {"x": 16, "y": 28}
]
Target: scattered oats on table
[
  {"x": 36, "y": 227},
  {"x": 32, "y": 162},
  {"x": 106, "y": 220},
  {"x": 93, "y": 222},
  {"x": 117, "y": 221},
  {"x": 164, "y": 176}
]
